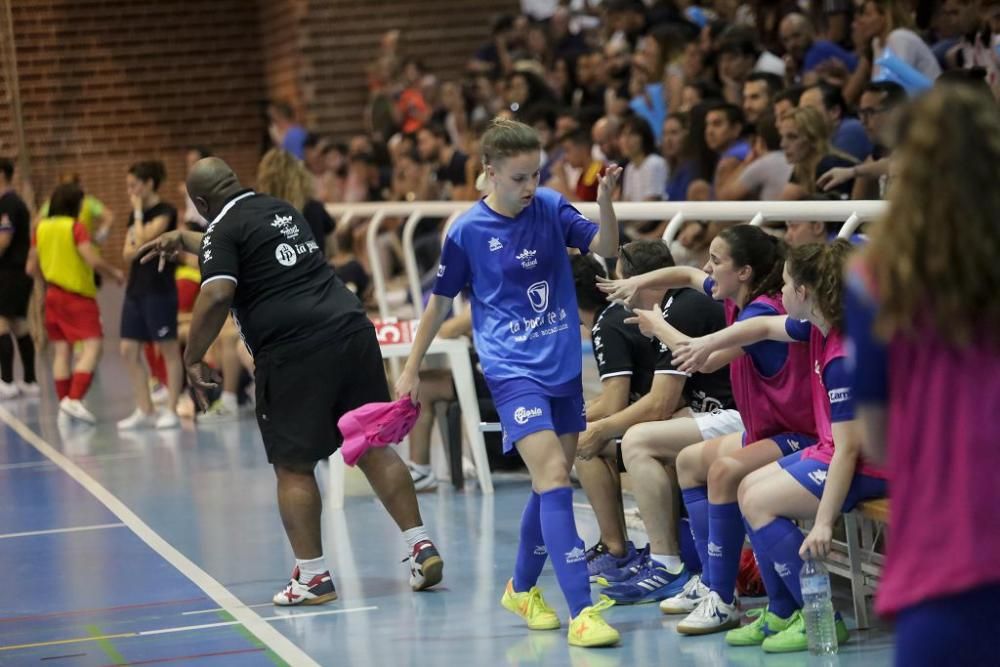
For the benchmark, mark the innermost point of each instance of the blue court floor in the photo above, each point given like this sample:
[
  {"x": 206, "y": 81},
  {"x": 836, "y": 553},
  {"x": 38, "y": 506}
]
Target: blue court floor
[{"x": 166, "y": 547}]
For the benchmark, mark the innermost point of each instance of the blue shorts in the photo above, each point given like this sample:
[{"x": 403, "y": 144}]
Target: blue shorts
[
  {"x": 150, "y": 317},
  {"x": 789, "y": 443},
  {"x": 811, "y": 473},
  {"x": 952, "y": 630},
  {"x": 531, "y": 413}
]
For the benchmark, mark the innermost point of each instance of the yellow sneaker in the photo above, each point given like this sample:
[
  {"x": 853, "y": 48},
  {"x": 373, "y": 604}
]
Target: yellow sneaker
[
  {"x": 589, "y": 629},
  {"x": 531, "y": 607}
]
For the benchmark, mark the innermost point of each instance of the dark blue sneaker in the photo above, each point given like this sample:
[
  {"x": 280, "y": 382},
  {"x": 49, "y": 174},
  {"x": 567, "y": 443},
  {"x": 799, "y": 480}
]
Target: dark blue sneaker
[
  {"x": 651, "y": 583},
  {"x": 600, "y": 560},
  {"x": 627, "y": 567}
]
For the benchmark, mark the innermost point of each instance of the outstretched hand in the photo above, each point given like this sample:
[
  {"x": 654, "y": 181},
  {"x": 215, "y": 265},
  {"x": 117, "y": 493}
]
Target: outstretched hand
[
  {"x": 834, "y": 177},
  {"x": 621, "y": 291},
  {"x": 648, "y": 320},
  {"x": 608, "y": 181},
  {"x": 691, "y": 355},
  {"x": 166, "y": 247}
]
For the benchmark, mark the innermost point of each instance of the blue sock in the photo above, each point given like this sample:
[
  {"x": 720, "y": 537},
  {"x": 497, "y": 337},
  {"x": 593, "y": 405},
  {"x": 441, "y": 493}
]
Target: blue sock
[
  {"x": 779, "y": 600},
  {"x": 566, "y": 548},
  {"x": 696, "y": 502},
  {"x": 725, "y": 529},
  {"x": 779, "y": 542},
  {"x": 531, "y": 553}
]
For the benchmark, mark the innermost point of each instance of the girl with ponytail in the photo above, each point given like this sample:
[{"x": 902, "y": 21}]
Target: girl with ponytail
[
  {"x": 817, "y": 483},
  {"x": 768, "y": 380}
]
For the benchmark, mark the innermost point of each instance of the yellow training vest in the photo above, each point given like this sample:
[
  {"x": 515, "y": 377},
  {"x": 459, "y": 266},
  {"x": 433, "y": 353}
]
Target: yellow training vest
[{"x": 61, "y": 262}]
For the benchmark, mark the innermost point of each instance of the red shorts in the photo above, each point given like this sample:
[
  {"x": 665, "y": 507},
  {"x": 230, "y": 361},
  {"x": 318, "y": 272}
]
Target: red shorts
[
  {"x": 187, "y": 292},
  {"x": 71, "y": 317}
]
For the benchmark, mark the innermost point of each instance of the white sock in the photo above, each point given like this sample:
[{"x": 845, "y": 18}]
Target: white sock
[
  {"x": 674, "y": 564},
  {"x": 229, "y": 400},
  {"x": 414, "y": 536},
  {"x": 310, "y": 568},
  {"x": 422, "y": 469}
]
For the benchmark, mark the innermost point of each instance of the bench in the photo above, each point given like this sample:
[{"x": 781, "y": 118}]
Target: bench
[{"x": 857, "y": 558}]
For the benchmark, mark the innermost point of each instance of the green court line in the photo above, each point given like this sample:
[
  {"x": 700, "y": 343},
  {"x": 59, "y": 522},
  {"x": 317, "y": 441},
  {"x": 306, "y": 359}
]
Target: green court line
[
  {"x": 240, "y": 628},
  {"x": 106, "y": 645}
]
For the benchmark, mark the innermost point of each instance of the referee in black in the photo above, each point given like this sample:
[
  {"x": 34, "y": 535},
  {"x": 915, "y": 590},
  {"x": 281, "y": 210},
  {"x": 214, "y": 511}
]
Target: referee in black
[{"x": 315, "y": 354}]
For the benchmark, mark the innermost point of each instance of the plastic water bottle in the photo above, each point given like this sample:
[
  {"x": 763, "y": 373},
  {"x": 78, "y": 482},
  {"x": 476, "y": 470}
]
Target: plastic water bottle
[{"x": 818, "y": 608}]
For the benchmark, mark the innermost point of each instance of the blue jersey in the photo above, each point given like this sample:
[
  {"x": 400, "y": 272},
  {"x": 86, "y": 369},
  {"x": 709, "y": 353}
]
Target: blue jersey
[{"x": 524, "y": 315}]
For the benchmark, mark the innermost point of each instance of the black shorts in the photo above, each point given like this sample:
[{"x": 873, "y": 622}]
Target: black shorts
[
  {"x": 302, "y": 395},
  {"x": 150, "y": 317},
  {"x": 15, "y": 292}
]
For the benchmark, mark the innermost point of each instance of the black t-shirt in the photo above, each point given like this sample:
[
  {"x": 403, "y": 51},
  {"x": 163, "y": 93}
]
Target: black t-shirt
[
  {"x": 15, "y": 219},
  {"x": 695, "y": 314},
  {"x": 621, "y": 350},
  {"x": 319, "y": 221},
  {"x": 286, "y": 293},
  {"x": 147, "y": 278},
  {"x": 454, "y": 171},
  {"x": 827, "y": 163}
]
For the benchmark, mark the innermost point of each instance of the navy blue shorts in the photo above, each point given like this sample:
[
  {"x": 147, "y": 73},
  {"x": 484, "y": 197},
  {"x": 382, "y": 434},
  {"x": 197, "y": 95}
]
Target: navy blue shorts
[
  {"x": 956, "y": 630},
  {"x": 150, "y": 318},
  {"x": 811, "y": 473},
  {"x": 530, "y": 413},
  {"x": 789, "y": 443}
]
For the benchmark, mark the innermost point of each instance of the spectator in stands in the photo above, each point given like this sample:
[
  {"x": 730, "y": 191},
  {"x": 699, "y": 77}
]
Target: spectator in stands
[
  {"x": 15, "y": 288},
  {"x": 739, "y": 56},
  {"x": 705, "y": 159},
  {"x": 786, "y": 100},
  {"x": 63, "y": 256},
  {"x": 680, "y": 166},
  {"x": 281, "y": 176},
  {"x": 881, "y": 26},
  {"x": 698, "y": 92},
  {"x": 526, "y": 94},
  {"x": 606, "y": 134},
  {"x": 806, "y": 56},
  {"x": 325, "y": 185},
  {"x": 819, "y": 482},
  {"x": 759, "y": 91},
  {"x": 724, "y": 135},
  {"x": 284, "y": 131},
  {"x": 846, "y": 133},
  {"x": 454, "y": 115},
  {"x": 924, "y": 320},
  {"x": 805, "y": 138},
  {"x": 577, "y": 175},
  {"x": 493, "y": 58},
  {"x": 765, "y": 172},
  {"x": 149, "y": 312},
  {"x": 412, "y": 111},
  {"x": 878, "y": 101},
  {"x": 645, "y": 176},
  {"x": 446, "y": 161},
  {"x": 591, "y": 82}
]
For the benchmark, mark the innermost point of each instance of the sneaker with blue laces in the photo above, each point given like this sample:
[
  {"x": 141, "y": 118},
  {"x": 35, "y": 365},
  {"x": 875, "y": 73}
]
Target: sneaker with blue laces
[
  {"x": 600, "y": 560},
  {"x": 627, "y": 568},
  {"x": 652, "y": 583}
]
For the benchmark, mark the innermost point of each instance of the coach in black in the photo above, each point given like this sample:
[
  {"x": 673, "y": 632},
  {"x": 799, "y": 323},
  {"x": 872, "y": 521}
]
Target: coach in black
[{"x": 316, "y": 358}]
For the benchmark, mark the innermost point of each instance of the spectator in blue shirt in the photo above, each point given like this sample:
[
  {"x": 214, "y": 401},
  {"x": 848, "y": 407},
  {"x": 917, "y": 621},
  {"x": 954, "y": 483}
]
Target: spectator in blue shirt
[
  {"x": 846, "y": 134},
  {"x": 805, "y": 55}
]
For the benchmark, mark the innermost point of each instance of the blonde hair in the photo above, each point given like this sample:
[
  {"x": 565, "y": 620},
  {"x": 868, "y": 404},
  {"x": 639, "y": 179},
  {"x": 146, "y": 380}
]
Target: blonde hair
[
  {"x": 506, "y": 138},
  {"x": 282, "y": 175},
  {"x": 812, "y": 125},
  {"x": 896, "y": 14},
  {"x": 933, "y": 257}
]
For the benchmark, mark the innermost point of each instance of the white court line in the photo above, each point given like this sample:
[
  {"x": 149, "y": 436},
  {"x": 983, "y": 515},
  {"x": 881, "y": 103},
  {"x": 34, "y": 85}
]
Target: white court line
[
  {"x": 212, "y": 611},
  {"x": 53, "y": 531},
  {"x": 274, "y": 640},
  {"x": 50, "y": 464},
  {"x": 268, "y": 619},
  {"x": 27, "y": 464}
]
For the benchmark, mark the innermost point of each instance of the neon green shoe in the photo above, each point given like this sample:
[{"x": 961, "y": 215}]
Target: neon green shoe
[
  {"x": 590, "y": 630},
  {"x": 754, "y": 634},
  {"x": 530, "y": 606},
  {"x": 793, "y": 638}
]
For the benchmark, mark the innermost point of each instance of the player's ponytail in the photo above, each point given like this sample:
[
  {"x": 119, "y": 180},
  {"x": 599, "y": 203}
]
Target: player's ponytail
[{"x": 820, "y": 268}]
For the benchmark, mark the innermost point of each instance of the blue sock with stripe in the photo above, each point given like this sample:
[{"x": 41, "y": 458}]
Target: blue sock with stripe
[
  {"x": 531, "y": 553},
  {"x": 569, "y": 558},
  {"x": 725, "y": 530},
  {"x": 696, "y": 502}
]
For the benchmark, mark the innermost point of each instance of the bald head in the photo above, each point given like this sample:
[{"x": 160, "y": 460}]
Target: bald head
[
  {"x": 209, "y": 184},
  {"x": 796, "y": 33}
]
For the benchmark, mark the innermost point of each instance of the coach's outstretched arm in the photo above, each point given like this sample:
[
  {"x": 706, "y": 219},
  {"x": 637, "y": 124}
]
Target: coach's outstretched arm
[{"x": 435, "y": 314}]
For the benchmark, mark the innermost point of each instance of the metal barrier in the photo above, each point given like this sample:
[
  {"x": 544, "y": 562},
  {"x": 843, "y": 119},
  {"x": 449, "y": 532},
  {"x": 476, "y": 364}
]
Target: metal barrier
[{"x": 852, "y": 213}]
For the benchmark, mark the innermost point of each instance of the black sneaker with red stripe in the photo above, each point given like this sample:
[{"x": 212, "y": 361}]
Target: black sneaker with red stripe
[{"x": 426, "y": 566}]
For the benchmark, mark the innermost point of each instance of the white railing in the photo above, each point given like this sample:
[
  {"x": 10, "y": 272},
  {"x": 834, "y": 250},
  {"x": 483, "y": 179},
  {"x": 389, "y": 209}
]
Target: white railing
[{"x": 851, "y": 213}]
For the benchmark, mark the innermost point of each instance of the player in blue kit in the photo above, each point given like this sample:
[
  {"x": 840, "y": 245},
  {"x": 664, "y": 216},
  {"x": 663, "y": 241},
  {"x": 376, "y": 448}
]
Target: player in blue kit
[{"x": 510, "y": 249}]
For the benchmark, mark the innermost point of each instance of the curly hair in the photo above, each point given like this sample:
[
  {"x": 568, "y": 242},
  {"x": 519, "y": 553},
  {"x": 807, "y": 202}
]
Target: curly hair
[
  {"x": 820, "y": 267},
  {"x": 764, "y": 254},
  {"x": 282, "y": 175},
  {"x": 933, "y": 258}
]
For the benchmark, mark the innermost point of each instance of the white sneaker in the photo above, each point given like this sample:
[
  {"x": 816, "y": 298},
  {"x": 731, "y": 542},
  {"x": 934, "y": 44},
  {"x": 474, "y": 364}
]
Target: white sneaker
[
  {"x": 468, "y": 468},
  {"x": 159, "y": 394},
  {"x": 217, "y": 413},
  {"x": 711, "y": 615},
  {"x": 74, "y": 408},
  {"x": 30, "y": 389},
  {"x": 138, "y": 419},
  {"x": 8, "y": 390},
  {"x": 689, "y": 597},
  {"x": 166, "y": 419},
  {"x": 422, "y": 481}
]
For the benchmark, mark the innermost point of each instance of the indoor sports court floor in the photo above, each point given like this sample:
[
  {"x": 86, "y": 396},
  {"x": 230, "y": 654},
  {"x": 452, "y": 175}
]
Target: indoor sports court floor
[{"x": 165, "y": 548}]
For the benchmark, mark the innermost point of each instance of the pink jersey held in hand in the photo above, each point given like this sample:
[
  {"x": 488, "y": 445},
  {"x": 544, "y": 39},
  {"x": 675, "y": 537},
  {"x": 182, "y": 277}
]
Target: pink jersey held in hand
[{"x": 376, "y": 425}]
